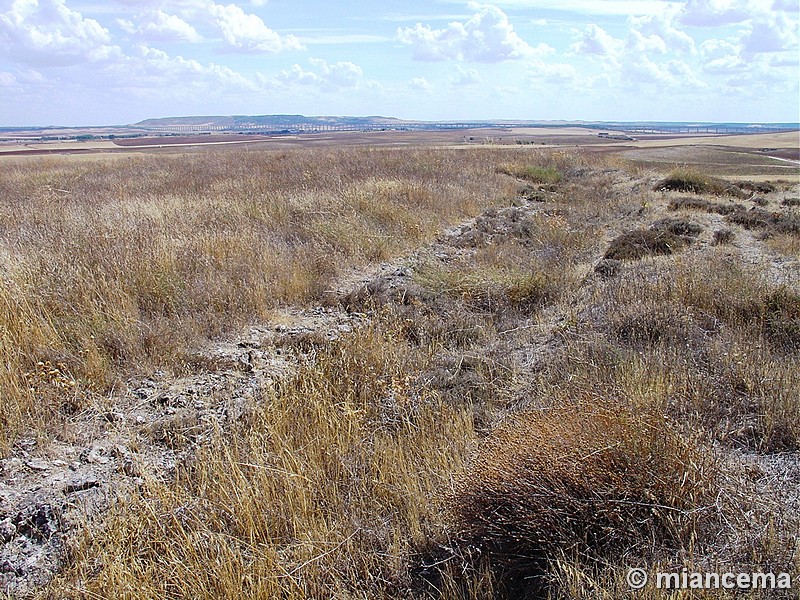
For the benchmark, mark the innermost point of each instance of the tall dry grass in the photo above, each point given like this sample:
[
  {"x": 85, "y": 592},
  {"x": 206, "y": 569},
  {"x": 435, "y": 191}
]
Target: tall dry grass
[
  {"x": 114, "y": 265},
  {"x": 378, "y": 469}
]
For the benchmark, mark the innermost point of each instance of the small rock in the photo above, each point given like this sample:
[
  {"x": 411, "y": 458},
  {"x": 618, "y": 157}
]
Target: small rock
[
  {"x": 37, "y": 465},
  {"x": 94, "y": 455},
  {"x": 114, "y": 417},
  {"x": 80, "y": 486},
  {"x": 7, "y": 530},
  {"x": 59, "y": 463}
]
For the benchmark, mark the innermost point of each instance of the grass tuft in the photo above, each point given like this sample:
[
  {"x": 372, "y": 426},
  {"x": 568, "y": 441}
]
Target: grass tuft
[{"x": 600, "y": 481}]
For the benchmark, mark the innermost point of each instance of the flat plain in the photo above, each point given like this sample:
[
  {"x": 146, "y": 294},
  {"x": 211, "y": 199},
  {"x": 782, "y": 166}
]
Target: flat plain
[{"x": 471, "y": 364}]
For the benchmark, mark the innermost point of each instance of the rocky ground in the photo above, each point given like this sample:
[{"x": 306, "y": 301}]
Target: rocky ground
[{"x": 50, "y": 491}]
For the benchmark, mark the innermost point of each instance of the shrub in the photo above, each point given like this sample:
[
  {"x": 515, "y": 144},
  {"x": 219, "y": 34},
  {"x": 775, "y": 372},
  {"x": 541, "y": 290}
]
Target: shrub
[
  {"x": 689, "y": 180},
  {"x": 678, "y": 227},
  {"x": 771, "y": 222},
  {"x": 636, "y": 244},
  {"x": 722, "y": 236},
  {"x": 595, "y": 482},
  {"x": 532, "y": 173},
  {"x": 690, "y": 203}
]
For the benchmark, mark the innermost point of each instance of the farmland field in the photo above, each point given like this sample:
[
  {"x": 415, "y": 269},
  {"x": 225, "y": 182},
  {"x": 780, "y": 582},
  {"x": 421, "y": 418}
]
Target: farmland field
[{"x": 399, "y": 366}]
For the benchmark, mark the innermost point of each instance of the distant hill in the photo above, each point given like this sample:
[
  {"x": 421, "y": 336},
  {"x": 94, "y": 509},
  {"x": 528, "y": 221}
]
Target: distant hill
[{"x": 268, "y": 122}]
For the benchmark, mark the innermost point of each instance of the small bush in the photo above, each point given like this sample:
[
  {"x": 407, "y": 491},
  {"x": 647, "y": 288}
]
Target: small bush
[
  {"x": 771, "y": 222},
  {"x": 678, "y": 227},
  {"x": 723, "y": 236},
  {"x": 592, "y": 482},
  {"x": 689, "y": 203},
  {"x": 791, "y": 202},
  {"x": 756, "y": 186},
  {"x": 688, "y": 180},
  {"x": 640, "y": 243}
]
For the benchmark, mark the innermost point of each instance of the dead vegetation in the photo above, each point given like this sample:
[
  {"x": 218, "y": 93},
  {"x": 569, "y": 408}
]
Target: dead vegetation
[{"x": 499, "y": 419}]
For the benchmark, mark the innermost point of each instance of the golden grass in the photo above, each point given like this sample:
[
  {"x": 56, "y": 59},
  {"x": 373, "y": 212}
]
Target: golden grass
[
  {"x": 428, "y": 454},
  {"x": 326, "y": 492},
  {"x": 115, "y": 265}
]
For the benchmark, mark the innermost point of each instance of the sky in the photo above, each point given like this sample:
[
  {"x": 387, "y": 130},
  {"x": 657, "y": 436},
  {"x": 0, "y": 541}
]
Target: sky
[{"x": 92, "y": 62}]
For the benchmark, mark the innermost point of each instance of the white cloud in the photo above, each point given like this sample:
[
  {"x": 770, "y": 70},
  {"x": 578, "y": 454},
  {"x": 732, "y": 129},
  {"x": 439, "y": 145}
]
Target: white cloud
[
  {"x": 553, "y": 73},
  {"x": 158, "y": 26},
  {"x": 47, "y": 32},
  {"x": 324, "y": 75},
  {"x": 465, "y": 77},
  {"x": 421, "y": 84},
  {"x": 595, "y": 40},
  {"x": 721, "y": 57},
  {"x": 714, "y": 13},
  {"x": 775, "y": 33},
  {"x": 246, "y": 32},
  {"x": 660, "y": 30},
  {"x": 7, "y": 79},
  {"x": 487, "y": 36}
]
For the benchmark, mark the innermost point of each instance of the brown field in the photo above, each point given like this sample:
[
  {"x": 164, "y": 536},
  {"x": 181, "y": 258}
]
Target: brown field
[{"x": 397, "y": 365}]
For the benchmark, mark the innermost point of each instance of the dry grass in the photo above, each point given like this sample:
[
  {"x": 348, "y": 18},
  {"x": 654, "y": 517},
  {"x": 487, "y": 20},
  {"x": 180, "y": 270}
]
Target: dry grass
[
  {"x": 509, "y": 425},
  {"x": 111, "y": 265},
  {"x": 331, "y": 508},
  {"x": 592, "y": 480}
]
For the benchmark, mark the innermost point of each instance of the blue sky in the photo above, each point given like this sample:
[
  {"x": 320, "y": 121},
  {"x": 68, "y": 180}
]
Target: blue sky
[{"x": 78, "y": 62}]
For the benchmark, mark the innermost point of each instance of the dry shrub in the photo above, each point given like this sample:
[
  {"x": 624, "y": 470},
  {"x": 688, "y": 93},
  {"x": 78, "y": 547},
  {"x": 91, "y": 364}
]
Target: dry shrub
[
  {"x": 770, "y": 222},
  {"x": 690, "y": 180},
  {"x": 681, "y": 227},
  {"x": 639, "y": 243},
  {"x": 723, "y": 236},
  {"x": 595, "y": 481},
  {"x": 701, "y": 204}
]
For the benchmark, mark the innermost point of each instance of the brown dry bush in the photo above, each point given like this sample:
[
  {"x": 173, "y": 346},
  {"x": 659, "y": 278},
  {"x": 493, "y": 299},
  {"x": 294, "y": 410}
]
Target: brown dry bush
[
  {"x": 694, "y": 203},
  {"x": 639, "y": 243},
  {"x": 594, "y": 480},
  {"x": 723, "y": 236},
  {"x": 770, "y": 222},
  {"x": 682, "y": 227},
  {"x": 691, "y": 180}
]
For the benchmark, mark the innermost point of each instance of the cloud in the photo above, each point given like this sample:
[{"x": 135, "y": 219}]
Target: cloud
[
  {"x": 421, "y": 84},
  {"x": 7, "y": 79},
  {"x": 163, "y": 75},
  {"x": 775, "y": 33},
  {"x": 714, "y": 13},
  {"x": 325, "y": 75},
  {"x": 659, "y": 30},
  {"x": 465, "y": 77},
  {"x": 594, "y": 40},
  {"x": 47, "y": 32},
  {"x": 158, "y": 26},
  {"x": 722, "y": 57},
  {"x": 246, "y": 32},
  {"x": 487, "y": 37}
]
